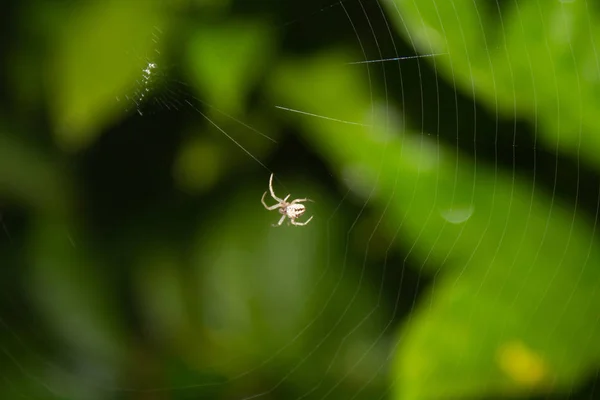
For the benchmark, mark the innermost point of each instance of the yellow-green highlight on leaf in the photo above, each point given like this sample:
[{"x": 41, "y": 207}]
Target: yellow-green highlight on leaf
[
  {"x": 474, "y": 336},
  {"x": 225, "y": 61},
  {"x": 536, "y": 59},
  {"x": 522, "y": 364},
  {"x": 98, "y": 60},
  {"x": 514, "y": 265}
]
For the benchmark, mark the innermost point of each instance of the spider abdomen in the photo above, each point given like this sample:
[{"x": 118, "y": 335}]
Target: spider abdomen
[{"x": 293, "y": 211}]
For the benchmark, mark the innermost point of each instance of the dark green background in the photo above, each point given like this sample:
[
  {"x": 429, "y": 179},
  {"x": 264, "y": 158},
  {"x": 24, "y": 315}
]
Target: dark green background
[{"x": 453, "y": 250}]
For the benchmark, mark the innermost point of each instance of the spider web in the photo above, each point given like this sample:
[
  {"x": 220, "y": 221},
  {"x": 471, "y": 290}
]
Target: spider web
[{"x": 452, "y": 251}]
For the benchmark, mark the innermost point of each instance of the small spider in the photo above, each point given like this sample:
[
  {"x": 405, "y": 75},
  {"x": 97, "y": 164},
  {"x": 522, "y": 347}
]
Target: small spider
[{"x": 291, "y": 210}]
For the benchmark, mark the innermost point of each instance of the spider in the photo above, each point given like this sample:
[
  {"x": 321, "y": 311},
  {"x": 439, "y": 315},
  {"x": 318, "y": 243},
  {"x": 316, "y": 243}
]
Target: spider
[{"x": 292, "y": 209}]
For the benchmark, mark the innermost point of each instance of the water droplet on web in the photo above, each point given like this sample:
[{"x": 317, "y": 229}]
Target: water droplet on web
[{"x": 457, "y": 215}]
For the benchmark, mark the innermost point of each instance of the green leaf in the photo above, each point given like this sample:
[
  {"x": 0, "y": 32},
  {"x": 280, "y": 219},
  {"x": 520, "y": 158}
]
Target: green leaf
[
  {"x": 30, "y": 176},
  {"x": 225, "y": 61},
  {"x": 532, "y": 59},
  {"x": 101, "y": 51},
  {"x": 198, "y": 164},
  {"x": 74, "y": 293},
  {"x": 514, "y": 309},
  {"x": 502, "y": 329}
]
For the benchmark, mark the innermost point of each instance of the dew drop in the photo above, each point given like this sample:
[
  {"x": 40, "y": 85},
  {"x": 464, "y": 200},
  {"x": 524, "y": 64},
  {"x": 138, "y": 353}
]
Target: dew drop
[{"x": 457, "y": 215}]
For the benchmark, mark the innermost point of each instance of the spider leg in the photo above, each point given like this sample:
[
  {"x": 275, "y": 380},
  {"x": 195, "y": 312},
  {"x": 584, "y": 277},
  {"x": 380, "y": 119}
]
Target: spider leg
[
  {"x": 268, "y": 207},
  {"x": 301, "y": 223},
  {"x": 280, "y": 221},
  {"x": 271, "y": 189},
  {"x": 300, "y": 200}
]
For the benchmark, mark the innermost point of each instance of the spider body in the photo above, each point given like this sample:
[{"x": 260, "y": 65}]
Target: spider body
[
  {"x": 289, "y": 209},
  {"x": 293, "y": 210}
]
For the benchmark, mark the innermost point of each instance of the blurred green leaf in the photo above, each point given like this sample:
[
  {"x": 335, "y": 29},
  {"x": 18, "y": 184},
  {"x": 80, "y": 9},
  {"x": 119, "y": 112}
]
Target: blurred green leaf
[
  {"x": 198, "y": 164},
  {"x": 530, "y": 59},
  {"x": 517, "y": 283},
  {"x": 162, "y": 295},
  {"x": 30, "y": 176},
  {"x": 73, "y": 294},
  {"x": 502, "y": 329},
  {"x": 101, "y": 52},
  {"x": 226, "y": 60}
]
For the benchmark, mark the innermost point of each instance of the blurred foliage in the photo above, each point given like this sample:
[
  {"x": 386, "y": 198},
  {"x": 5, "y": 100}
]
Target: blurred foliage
[
  {"x": 487, "y": 300},
  {"x": 88, "y": 69},
  {"x": 211, "y": 50},
  {"x": 136, "y": 141},
  {"x": 528, "y": 59}
]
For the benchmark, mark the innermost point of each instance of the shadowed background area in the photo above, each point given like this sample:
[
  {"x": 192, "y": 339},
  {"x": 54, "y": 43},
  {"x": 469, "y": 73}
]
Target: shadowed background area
[{"x": 452, "y": 253}]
